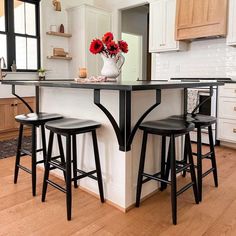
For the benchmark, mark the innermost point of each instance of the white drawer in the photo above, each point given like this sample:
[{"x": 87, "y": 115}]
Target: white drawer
[
  {"x": 228, "y": 90},
  {"x": 227, "y": 130},
  {"x": 227, "y": 108}
]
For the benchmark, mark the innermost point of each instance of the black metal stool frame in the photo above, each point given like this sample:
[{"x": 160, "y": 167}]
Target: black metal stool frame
[
  {"x": 171, "y": 161},
  {"x": 71, "y": 140}
]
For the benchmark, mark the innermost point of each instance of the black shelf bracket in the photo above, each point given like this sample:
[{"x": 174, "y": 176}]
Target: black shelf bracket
[{"x": 124, "y": 133}]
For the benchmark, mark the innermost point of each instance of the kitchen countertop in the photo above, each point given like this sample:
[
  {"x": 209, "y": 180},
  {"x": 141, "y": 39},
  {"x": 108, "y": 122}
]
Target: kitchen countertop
[{"x": 124, "y": 86}]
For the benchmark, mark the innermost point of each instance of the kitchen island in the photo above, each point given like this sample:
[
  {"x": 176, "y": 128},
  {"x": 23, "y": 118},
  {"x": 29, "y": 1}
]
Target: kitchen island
[{"x": 120, "y": 108}]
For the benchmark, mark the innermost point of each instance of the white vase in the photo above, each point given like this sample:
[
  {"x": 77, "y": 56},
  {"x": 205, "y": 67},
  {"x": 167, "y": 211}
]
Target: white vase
[{"x": 112, "y": 66}]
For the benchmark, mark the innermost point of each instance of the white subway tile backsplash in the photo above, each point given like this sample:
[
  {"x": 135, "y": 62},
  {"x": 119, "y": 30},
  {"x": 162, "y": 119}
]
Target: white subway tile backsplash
[{"x": 205, "y": 58}]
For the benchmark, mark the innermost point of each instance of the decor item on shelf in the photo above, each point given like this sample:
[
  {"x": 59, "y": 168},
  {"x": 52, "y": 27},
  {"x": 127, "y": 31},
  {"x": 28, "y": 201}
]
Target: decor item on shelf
[
  {"x": 62, "y": 29},
  {"x": 59, "y": 52},
  {"x": 82, "y": 72},
  {"x": 53, "y": 28},
  {"x": 111, "y": 53},
  {"x": 13, "y": 66},
  {"x": 57, "y": 5},
  {"x": 42, "y": 74}
]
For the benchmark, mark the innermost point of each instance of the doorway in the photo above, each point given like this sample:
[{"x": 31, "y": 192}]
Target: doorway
[
  {"x": 133, "y": 59},
  {"x": 135, "y": 31}
]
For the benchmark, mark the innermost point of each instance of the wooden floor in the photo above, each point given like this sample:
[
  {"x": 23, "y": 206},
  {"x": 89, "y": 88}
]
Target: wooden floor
[{"x": 21, "y": 214}]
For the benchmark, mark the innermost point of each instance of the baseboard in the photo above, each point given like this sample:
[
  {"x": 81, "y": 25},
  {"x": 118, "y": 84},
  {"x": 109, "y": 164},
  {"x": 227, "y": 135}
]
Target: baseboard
[{"x": 227, "y": 144}]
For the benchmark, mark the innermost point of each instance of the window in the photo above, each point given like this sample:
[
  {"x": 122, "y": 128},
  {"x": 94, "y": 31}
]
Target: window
[{"x": 20, "y": 34}]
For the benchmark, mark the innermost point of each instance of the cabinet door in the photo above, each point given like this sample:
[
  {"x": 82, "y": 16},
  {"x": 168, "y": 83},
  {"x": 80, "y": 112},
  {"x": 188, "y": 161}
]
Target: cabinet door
[
  {"x": 157, "y": 26},
  {"x": 231, "y": 37},
  {"x": 7, "y": 114},
  {"x": 162, "y": 27},
  {"x": 201, "y": 18}
]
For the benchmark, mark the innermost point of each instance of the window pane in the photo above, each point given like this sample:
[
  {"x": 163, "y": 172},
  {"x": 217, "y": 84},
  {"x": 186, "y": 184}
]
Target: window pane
[
  {"x": 20, "y": 52},
  {"x": 2, "y": 16},
  {"x": 30, "y": 19},
  {"x": 32, "y": 54},
  {"x": 3, "y": 47},
  {"x": 19, "y": 17}
]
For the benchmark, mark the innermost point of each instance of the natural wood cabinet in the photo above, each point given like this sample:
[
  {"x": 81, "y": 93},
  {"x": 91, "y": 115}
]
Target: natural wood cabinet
[
  {"x": 9, "y": 108},
  {"x": 201, "y": 18}
]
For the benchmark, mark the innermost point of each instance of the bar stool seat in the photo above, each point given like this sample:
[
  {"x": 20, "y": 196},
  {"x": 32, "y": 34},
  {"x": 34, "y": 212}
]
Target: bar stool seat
[
  {"x": 198, "y": 119},
  {"x": 168, "y": 128},
  {"x": 202, "y": 121},
  {"x": 37, "y": 119},
  {"x": 33, "y": 120},
  {"x": 70, "y": 127}
]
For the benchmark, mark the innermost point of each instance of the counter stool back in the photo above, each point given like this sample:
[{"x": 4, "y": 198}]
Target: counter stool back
[
  {"x": 34, "y": 121},
  {"x": 167, "y": 128},
  {"x": 69, "y": 128}
]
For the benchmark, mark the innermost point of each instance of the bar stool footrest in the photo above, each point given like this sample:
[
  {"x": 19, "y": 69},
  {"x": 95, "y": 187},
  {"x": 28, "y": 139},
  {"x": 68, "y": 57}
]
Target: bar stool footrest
[
  {"x": 208, "y": 172},
  {"x": 57, "y": 186},
  {"x": 186, "y": 187},
  {"x": 205, "y": 156},
  {"x": 58, "y": 164},
  {"x": 154, "y": 177},
  {"x": 85, "y": 174},
  {"x": 25, "y": 169},
  {"x": 180, "y": 168}
]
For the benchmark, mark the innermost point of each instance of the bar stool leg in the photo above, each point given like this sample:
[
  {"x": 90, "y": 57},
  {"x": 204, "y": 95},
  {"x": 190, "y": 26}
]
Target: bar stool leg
[
  {"x": 44, "y": 143},
  {"x": 163, "y": 159},
  {"x": 141, "y": 168},
  {"x": 68, "y": 177},
  {"x": 192, "y": 169},
  {"x": 173, "y": 180},
  {"x": 18, "y": 153},
  {"x": 199, "y": 162},
  {"x": 61, "y": 153},
  {"x": 167, "y": 172},
  {"x": 47, "y": 166},
  {"x": 185, "y": 156},
  {"x": 34, "y": 160},
  {"x": 213, "y": 156},
  {"x": 98, "y": 166},
  {"x": 74, "y": 145}
]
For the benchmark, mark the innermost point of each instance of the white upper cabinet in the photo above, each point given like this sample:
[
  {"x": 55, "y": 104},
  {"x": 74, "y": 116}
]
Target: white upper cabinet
[
  {"x": 231, "y": 37},
  {"x": 162, "y": 27}
]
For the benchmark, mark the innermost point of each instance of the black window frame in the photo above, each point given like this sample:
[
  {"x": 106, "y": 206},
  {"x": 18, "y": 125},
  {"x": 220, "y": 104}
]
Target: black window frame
[{"x": 11, "y": 35}]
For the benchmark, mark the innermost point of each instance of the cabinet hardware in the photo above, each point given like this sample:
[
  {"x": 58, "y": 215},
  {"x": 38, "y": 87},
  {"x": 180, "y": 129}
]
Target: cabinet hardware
[
  {"x": 12, "y": 105},
  {"x": 234, "y": 131},
  {"x": 234, "y": 108},
  {"x": 163, "y": 44},
  {"x": 235, "y": 90}
]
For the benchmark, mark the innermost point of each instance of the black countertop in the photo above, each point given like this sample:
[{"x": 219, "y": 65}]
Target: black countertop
[{"x": 124, "y": 86}]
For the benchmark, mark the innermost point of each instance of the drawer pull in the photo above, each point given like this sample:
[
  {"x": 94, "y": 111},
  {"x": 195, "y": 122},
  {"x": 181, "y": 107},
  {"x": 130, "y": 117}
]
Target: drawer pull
[
  {"x": 234, "y": 131},
  {"x": 234, "y": 108},
  {"x": 235, "y": 90}
]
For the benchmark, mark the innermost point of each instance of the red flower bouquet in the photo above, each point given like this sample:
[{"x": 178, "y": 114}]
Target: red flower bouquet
[{"x": 107, "y": 46}]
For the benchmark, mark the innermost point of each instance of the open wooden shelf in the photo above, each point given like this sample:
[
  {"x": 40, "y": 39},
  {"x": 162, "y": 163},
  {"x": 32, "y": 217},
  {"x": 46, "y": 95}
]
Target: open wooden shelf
[
  {"x": 59, "y": 34},
  {"x": 59, "y": 58}
]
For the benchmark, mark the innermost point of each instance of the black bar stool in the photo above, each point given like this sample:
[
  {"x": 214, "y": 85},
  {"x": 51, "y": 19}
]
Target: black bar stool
[
  {"x": 168, "y": 128},
  {"x": 33, "y": 120},
  {"x": 201, "y": 122},
  {"x": 69, "y": 128}
]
